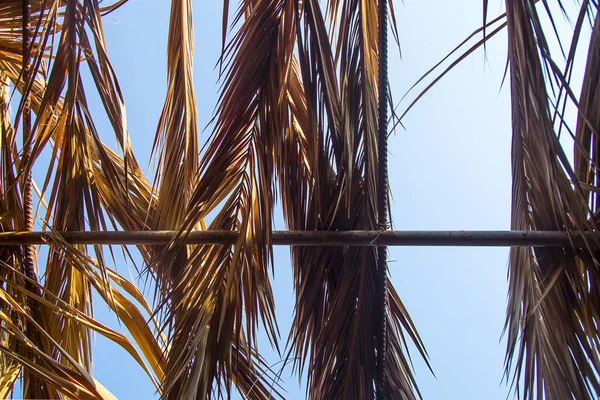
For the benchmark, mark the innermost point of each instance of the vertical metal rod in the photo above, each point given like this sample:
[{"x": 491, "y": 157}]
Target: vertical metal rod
[
  {"x": 29, "y": 251},
  {"x": 382, "y": 205},
  {"x": 34, "y": 387}
]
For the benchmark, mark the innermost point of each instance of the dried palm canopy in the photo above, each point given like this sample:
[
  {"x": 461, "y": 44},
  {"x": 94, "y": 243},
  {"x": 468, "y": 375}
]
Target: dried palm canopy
[{"x": 300, "y": 81}]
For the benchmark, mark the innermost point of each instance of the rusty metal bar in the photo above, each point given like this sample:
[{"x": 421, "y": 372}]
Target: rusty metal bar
[{"x": 315, "y": 238}]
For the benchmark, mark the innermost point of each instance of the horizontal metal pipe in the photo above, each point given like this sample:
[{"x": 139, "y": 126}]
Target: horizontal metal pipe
[{"x": 314, "y": 238}]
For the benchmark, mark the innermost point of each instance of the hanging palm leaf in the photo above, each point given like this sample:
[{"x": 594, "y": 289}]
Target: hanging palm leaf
[
  {"x": 336, "y": 308},
  {"x": 551, "y": 291}
]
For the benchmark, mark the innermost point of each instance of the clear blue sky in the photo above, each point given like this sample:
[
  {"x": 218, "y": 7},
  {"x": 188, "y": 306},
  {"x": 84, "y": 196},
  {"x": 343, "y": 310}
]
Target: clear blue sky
[{"x": 450, "y": 169}]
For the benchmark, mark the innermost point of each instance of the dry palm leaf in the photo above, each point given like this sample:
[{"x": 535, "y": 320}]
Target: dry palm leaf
[
  {"x": 552, "y": 318},
  {"x": 223, "y": 292},
  {"x": 75, "y": 382},
  {"x": 63, "y": 119},
  {"x": 331, "y": 184},
  {"x": 177, "y": 137},
  {"x": 552, "y": 337}
]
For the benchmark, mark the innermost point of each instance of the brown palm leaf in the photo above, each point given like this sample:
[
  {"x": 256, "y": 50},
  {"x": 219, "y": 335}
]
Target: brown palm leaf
[
  {"x": 177, "y": 136},
  {"x": 332, "y": 185},
  {"x": 223, "y": 292},
  {"x": 552, "y": 339},
  {"x": 552, "y": 316},
  {"x": 75, "y": 200}
]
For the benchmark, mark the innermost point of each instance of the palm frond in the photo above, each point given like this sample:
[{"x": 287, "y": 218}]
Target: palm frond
[
  {"x": 75, "y": 382},
  {"x": 176, "y": 147},
  {"x": 219, "y": 298},
  {"x": 63, "y": 119},
  {"x": 177, "y": 135},
  {"x": 11, "y": 217},
  {"x": 552, "y": 339},
  {"x": 588, "y": 123},
  {"x": 331, "y": 184}
]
